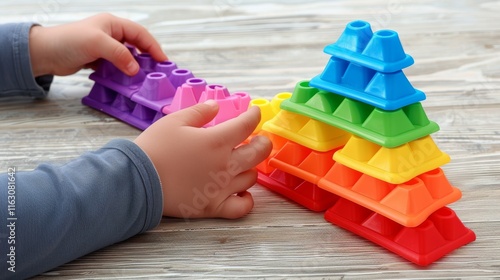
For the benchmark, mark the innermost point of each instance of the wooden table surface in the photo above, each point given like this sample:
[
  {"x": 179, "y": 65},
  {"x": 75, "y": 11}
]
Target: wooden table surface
[{"x": 265, "y": 47}]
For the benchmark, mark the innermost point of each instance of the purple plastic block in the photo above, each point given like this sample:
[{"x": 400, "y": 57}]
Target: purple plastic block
[
  {"x": 158, "y": 88},
  {"x": 180, "y": 76},
  {"x": 139, "y": 99},
  {"x": 166, "y": 67},
  {"x": 155, "y": 92}
]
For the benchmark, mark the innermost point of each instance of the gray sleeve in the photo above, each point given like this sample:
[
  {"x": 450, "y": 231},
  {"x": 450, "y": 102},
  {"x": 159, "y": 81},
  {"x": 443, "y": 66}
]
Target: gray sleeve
[
  {"x": 55, "y": 214},
  {"x": 16, "y": 76}
]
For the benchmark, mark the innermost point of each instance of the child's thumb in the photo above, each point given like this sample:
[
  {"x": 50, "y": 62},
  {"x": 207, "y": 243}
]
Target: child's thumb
[{"x": 197, "y": 115}]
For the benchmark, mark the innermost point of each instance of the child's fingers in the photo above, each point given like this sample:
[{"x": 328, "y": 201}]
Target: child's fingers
[
  {"x": 239, "y": 183},
  {"x": 236, "y": 130},
  {"x": 197, "y": 115},
  {"x": 253, "y": 153},
  {"x": 128, "y": 31},
  {"x": 236, "y": 206},
  {"x": 115, "y": 52}
]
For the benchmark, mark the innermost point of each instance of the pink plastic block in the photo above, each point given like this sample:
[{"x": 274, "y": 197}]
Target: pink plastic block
[{"x": 196, "y": 91}]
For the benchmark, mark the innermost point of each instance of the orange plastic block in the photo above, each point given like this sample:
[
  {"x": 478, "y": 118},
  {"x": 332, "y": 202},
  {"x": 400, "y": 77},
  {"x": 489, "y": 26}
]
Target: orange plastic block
[
  {"x": 408, "y": 204},
  {"x": 437, "y": 236},
  {"x": 393, "y": 165},
  {"x": 302, "y": 192},
  {"x": 303, "y": 162},
  {"x": 278, "y": 143},
  {"x": 307, "y": 132}
]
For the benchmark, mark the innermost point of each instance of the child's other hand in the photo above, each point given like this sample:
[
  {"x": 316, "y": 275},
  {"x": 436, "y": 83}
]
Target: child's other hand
[
  {"x": 201, "y": 171},
  {"x": 65, "y": 49}
]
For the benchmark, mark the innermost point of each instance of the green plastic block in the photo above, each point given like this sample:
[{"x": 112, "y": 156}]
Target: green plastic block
[{"x": 385, "y": 128}]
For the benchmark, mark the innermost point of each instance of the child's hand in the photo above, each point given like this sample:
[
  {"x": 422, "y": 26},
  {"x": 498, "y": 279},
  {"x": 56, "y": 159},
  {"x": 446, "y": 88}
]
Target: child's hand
[
  {"x": 65, "y": 49},
  {"x": 201, "y": 171}
]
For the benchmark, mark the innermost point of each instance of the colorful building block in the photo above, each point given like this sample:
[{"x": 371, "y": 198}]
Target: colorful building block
[
  {"x": 269, "y": 109},
  {"x": 136, "y": 100},
  {"x": 196, "y": 91},
  {"x": 381, "y": 51},
  {"x": 306, "y": 131},
  {"x": 367, "y": 67},
  {"x": 385, "y": 128},
  {"x": 303, "y": 162},
  {"x": 159, "y": 88},
  {"x": 393, "y": 165},
  {"x": 300, "y": 191},
  {"x": 437, "y": 236},
  {"x": 385, "y": 181},
  {"x": 408, "y": 204},
  {"x": 292, "y": 187}
]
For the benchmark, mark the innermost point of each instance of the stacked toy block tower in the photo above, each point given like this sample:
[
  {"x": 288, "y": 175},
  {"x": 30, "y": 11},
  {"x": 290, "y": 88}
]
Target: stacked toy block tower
[
  {"x": 158, "y": 89},
  {"x": 356, "y": 140}
]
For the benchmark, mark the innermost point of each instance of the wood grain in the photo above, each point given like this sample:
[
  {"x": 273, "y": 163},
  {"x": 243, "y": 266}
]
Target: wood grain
[{"x": 265, "y": 47}]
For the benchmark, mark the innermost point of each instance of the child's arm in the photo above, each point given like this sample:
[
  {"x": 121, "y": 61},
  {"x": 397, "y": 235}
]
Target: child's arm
[
  {"x": 32, "y": 54},
  {"x": 65, "y": 49},
  {"x": 61, "y": 213},
  {"x": 16, "y": 77},
  {"x": 176, "y": 168}
]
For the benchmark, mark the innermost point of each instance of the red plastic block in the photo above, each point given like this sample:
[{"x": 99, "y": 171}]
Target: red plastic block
[
  {"x": 302, "y": 192},
  {"x": 408, "y": 204},
  {"x": 303, "y": 162},
  {"x": 437, "y": 236}
]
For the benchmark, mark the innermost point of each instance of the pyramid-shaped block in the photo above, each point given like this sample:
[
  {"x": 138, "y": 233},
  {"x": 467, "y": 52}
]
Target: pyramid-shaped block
[
  {"x": 393, "y": 165},
  {"x": 385, "y": 128},
  {"x": 440, "y": 234},
  {"x": 307, "y": 132},
  {"x": 386, "y": 181},
  {"x": 408, "y": 204},
  {"x": 367, "y": 67}
]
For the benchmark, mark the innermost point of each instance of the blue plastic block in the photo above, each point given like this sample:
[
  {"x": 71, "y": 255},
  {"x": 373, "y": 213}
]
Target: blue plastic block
[
  {"x": 381, "y": 51},
  {"x": 367, "y": 67},
  {"x": 387, "y": 91}
]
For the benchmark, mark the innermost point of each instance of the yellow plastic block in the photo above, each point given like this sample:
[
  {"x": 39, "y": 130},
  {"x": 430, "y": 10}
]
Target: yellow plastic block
[
  {"x": 394, "y": 165},
  {"x": 307, "y": 132},
  {"x": 268, "y": 109}
]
